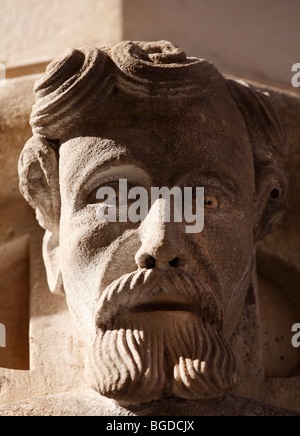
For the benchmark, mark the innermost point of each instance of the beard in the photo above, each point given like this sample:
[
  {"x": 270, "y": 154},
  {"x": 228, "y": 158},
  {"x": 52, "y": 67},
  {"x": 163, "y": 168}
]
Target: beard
[{"x": 157, "y": 334}]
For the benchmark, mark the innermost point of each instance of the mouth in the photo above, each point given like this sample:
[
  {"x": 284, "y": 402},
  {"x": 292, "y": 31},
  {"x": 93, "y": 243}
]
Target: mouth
[{"x": 162, "y": 307}]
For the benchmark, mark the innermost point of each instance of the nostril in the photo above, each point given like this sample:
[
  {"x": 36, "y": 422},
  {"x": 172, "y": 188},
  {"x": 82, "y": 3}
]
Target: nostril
[
  {"x": 174, "y": 262},
  {"x": 150, "y": 262}
]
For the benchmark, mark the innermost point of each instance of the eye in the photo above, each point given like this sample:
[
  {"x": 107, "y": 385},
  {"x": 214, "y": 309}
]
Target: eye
[
  {"x": 106, "y": 195},
  {"x": 275, "y": 194},
  {"x": 211, "y": 202},
  {"x": 110, "y": 194}
]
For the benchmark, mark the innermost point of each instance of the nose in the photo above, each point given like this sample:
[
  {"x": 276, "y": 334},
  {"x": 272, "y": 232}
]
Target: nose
[{"x": 160, "y": 240}]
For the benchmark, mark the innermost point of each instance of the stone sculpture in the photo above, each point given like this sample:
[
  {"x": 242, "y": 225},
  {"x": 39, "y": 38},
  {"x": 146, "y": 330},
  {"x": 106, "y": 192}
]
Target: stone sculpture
[{"x": 157, "y": 305}]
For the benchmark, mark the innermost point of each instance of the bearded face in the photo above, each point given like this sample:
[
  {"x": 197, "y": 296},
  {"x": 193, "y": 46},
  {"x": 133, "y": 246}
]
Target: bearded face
[
  {"x": 160, "y": 333},
  {"x": 157, "y": 305}
]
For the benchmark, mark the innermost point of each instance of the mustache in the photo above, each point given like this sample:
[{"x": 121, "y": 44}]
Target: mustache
[{"x": 149, "y": 290}]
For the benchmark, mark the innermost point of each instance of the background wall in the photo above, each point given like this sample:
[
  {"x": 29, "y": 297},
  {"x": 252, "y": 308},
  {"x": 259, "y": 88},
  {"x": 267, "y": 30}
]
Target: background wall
[
  {"x": 30, "y": 29},
  {"x": 256, "y": 39}
]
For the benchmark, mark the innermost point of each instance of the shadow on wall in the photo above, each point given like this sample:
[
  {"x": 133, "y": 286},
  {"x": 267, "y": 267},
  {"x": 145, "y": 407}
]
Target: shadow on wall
[
  {"x": 279, "y": 285},
  {"x": 14, "y": 303}
]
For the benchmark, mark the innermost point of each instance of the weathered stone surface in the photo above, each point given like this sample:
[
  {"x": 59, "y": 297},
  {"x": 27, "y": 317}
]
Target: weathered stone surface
[{"x": 51, "y": 330}]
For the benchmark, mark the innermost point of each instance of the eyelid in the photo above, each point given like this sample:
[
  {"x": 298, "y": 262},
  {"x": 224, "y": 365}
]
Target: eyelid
[
  {"x": 224, "y": 201},
  {"x": 115, "y": 173},
  {"x": 91, "y": 197},
  {"x": 211, "y": 182},
  {"x": 220, "y": 194},
  {"x": 115, "y": 185}
]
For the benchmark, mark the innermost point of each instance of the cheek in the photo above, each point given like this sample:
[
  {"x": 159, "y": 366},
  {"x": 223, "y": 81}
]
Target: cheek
[
  {"x": 228, "y": 242},
  {"x": 229, "y": 247},
  {"x": 86, "y": 240},
  {"x": 94, "y": 254}
]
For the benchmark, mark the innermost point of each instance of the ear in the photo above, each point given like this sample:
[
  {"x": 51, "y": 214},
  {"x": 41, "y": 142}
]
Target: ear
[
  {"x": 39, "y": 184},
  {"x": 51, "y": 255},
  {"x": 271, "y": 201}
]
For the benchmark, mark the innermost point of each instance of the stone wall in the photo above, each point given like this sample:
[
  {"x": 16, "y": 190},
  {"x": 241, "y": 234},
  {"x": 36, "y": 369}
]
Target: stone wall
[
  {"x": 40, "y": 339},
  {"x": 257, "y": 39},
  {"x": 34, "y": 29}
]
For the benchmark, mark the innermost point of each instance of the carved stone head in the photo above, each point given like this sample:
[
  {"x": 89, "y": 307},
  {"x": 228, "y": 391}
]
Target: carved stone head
[{"x": 157, "y": 305}]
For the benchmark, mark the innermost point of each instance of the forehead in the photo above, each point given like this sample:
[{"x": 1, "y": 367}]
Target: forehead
[{"x": 207, "y": 137}]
